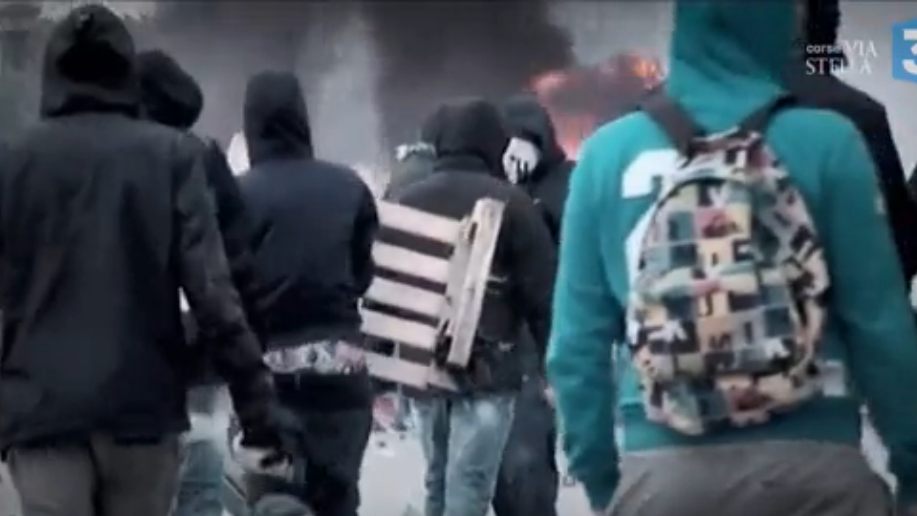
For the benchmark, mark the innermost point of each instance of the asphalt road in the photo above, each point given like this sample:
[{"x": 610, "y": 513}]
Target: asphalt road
[{"x": 392, "y": 479}]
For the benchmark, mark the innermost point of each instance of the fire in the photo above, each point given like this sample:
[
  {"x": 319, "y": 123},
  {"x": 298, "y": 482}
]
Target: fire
[{"x": 581, "y": 99}]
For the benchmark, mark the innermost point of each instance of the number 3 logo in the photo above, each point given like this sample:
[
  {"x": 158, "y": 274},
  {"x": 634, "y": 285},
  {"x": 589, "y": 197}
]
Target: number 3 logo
[
  {"x": 904, "y": 50},
  {"x": 910, "y": 63}
]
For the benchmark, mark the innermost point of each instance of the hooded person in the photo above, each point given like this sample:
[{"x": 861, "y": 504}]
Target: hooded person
[
  {"x": 170, "y": 96},
  {"x": 105, "y": 219},
  {"x": 722, "y": 70},
  {"x": 414, "y": 161},
  {"x": 469, "y": 138},
  {"x": 535, "y": 162},
  {"x": 534, "y": 159},
  {"x": 319, "y": 220},
  {"x": 815, "y": 85}
]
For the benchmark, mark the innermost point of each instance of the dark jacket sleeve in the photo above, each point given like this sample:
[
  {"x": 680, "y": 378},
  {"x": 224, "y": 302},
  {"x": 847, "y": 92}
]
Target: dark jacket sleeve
[
  {"x": 534, "y": 257},
  {"x": 550, "y": 193},
  {"x": 365, "y": 228},
  {"x": 902, "y": 211},
  {"x": 205, "y": 279},
  {"x": 237, "y": 232}
]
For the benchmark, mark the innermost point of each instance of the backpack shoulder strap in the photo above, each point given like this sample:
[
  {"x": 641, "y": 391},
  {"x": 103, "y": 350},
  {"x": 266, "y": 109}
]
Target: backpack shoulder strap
[
  {"x": 757, "y": 121},
  {"x": 672, "y": 118}
]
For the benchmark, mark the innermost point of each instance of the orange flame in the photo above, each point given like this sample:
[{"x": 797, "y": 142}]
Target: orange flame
[{"x": 579, "y": 100}]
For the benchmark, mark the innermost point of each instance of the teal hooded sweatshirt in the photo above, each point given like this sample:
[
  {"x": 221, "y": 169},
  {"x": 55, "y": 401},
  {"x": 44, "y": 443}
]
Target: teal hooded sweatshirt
[{"x": 726, "y": 61}]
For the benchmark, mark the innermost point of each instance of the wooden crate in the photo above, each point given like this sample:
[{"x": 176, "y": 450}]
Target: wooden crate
[{"x": 396, "y": 309}]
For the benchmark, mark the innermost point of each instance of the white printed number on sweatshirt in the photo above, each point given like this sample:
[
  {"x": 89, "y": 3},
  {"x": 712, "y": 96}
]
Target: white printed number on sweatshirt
[
  {"x": 913, "y": 293},
  {"x": 639, "y": 180}
]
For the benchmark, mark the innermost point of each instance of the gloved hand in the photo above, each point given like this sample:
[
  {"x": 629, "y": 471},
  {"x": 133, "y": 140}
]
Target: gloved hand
[
  {"x": 520, "y": 159},
  {"x": 275, "y": 433},
  {"x": 259, "y": 461}
]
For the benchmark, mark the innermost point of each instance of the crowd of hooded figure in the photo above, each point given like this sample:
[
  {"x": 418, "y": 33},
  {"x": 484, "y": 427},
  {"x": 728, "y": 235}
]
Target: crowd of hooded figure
[{"x": 139, "y": 275}]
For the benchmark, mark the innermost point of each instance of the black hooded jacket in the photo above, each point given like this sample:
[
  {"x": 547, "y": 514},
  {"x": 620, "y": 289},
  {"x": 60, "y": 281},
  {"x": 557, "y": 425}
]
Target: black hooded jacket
[
  {"x": 173, "y": 98},
  {"x": 526, "y": 118},
  {"x": 319, "y": 220},
  {"x": 103, "y": 218},
  {"x": 469, "y": 137},
  {"x": 869, "y": 115}
]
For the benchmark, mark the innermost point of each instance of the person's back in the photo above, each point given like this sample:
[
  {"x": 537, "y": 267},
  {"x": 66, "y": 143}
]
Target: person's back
[
  {"x": 104, "y": 218},
  {"x": 318, "y": 219},
  {"x": 469, "y": 138},
  {"x": 314, "y": 262},
  {"x": 723, "y": 69},
  {"x": 469, "y": 145},
  {"x": 171, "y": 96},
  {"x": 86, "y": 311}
]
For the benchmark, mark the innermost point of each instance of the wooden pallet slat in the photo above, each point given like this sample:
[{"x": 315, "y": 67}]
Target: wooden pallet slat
[
  {"x": 464, "y": 274},
  {"x": 399, "y": 330},
  {"x": 406, "y": 297},
  {"x": 416, "y": 222},
  {"x": 411, "y": 263},
  {"x": 411, "y": 374},
  {"x": 483, "y": 230}
]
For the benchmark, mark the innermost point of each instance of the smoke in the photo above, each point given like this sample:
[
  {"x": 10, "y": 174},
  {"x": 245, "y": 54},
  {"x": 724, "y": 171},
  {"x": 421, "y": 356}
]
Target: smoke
[
  {"x": 372, "y": 71},
  {"x": 427, "y": 52},
  {"x": 224, "y": 43}
]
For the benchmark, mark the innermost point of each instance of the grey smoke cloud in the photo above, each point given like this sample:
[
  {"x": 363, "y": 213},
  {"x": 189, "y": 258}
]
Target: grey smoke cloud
[{"x": 373, "y": 70}]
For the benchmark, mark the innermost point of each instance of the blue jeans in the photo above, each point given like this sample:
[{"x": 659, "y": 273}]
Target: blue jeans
[
  {"x": 200, "y": 490},
  {"x": 463, "y": 441}
]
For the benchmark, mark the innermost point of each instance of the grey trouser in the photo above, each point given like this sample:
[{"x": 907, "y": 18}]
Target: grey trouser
[
  {"x": 99, "y": 477},
  {"x": 761, "y": 479}
]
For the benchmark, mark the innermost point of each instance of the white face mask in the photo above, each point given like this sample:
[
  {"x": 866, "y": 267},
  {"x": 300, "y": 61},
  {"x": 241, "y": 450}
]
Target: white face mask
[
  {"x": 520, "y": 158},
  {"x": 237, "y": 154}
]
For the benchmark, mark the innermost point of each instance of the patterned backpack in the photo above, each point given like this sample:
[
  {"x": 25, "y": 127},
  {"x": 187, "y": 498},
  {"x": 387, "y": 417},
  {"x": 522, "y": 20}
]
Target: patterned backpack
[{"x": 726, "y": 310}]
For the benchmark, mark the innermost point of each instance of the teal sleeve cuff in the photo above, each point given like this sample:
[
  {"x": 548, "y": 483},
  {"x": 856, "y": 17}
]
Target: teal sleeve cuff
[
  {"x": 600, "y": 489},
  {"x": 906, "y": 497},
  {"x": 903, "y": 465}
]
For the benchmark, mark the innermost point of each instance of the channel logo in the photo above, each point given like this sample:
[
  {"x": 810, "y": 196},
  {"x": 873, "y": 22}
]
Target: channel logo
[{"x": 904, "y": 50}]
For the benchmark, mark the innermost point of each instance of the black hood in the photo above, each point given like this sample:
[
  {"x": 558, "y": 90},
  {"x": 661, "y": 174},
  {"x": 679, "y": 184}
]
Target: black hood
[
  {"x": 90, "y": 65},
  {"x": 823, "y": 21},
  {"x": 170, "y": 95},
  {"x": 468, "y": 130},
  {"x": 526, "y": 118},
  {"x": 276, "y": 122}
]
